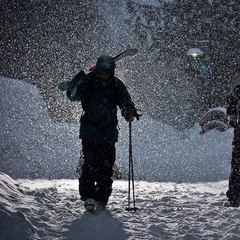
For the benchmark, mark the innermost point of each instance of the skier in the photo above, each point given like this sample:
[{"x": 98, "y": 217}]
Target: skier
[
  {"x": 233, "y": 112},
  {"x": 100, "y": 92}
]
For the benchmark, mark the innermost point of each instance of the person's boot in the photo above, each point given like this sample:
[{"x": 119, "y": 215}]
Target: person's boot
[
  {"x": 231, "y": 204},
  {"x": 89, "y": 204},
  {"x": 100, "y": 206}
]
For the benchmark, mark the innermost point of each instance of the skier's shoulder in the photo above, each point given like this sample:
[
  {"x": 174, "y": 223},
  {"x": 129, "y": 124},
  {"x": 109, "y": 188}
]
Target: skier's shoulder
[
  {"x": 119, "y": 83},
  {"x": 91, "y": 75}
]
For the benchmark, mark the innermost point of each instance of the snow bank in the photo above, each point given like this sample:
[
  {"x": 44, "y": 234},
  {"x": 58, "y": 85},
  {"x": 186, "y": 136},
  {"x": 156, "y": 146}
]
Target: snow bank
[
  {"x": 13, "y": 223},
  {"x": 33, "y": 146}
]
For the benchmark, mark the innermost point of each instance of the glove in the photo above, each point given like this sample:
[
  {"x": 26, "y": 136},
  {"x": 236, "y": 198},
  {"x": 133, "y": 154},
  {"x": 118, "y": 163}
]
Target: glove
[
  {"x": 233, "y": 120},
  {"x": 129, "y": 114}
]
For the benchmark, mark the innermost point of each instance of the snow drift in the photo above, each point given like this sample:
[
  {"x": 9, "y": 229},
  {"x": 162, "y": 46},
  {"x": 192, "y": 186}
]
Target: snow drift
[{"x": 33, "y": 146}]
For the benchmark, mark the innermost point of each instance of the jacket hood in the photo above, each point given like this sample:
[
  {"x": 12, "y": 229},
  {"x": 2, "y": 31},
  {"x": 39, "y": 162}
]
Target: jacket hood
[{"x": 105, "y": 63}]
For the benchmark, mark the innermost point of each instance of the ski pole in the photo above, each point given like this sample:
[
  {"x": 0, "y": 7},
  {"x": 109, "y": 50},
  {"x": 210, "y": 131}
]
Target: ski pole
[
  {"x": 130, "y": 172},
  {"x": 129, "y": 182},
  {"x": 131, "y": 158}
]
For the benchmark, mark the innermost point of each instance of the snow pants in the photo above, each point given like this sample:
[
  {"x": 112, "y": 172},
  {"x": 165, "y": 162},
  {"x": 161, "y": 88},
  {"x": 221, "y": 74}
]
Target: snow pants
[
  {"x": 96, "y": 178},
  {"x": 233, "y": 193}
]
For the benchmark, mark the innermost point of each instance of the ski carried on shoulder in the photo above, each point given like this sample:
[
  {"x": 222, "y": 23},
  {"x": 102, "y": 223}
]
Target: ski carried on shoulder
[
  {"x": 72, "y": 85},
  {"x": 129, "y": 52}
]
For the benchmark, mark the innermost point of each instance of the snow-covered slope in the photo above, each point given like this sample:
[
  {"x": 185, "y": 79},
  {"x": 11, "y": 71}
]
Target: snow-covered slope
[{"x": 33, "y": 146}]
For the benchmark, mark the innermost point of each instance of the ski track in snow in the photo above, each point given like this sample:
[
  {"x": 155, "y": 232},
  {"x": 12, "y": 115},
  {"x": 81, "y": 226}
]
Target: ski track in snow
[{"x": 51, "y": 209}]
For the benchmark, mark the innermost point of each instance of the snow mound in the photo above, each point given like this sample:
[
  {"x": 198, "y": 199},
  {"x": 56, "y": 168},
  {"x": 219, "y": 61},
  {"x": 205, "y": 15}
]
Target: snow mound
[
  {"x": 14, "y": 225},
  {"x": 32, "y": 145}
]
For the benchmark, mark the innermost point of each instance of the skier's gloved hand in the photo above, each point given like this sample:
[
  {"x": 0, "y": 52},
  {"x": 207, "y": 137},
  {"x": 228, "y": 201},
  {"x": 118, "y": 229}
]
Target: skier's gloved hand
[
  {"x": 129, "y": 114},
  {"x": 233, "y": 120},
  {"x": 132, "y": 113}
]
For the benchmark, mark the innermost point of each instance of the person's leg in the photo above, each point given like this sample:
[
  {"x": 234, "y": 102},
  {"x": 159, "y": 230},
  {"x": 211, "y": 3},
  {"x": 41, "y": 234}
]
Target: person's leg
[
  {"x": 233, "y": 193},
  {"x": 88, "y": 176},
  {"x": 107, "y": 156}
]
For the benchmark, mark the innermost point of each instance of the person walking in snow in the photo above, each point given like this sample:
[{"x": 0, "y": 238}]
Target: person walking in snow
[
  {"x": 100, "y": 92},
  {"x": 233, "y": 112}
]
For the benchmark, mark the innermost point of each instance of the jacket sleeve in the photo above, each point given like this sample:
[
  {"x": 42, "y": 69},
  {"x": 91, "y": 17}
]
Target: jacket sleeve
[
  {"x": 125, "y": 102},
  {"x": 232, "y": 102},
  {"x": 124, "y": 98}
]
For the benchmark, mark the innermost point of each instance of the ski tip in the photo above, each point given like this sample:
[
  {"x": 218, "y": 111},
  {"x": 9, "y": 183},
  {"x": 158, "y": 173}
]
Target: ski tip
[{"x": 133, "y": 51}]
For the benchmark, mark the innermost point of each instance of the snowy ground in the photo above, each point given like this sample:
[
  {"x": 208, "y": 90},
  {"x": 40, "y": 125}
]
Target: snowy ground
[
  {"x": 181, "y": 179},
  {"x": 43, "y": 209}
]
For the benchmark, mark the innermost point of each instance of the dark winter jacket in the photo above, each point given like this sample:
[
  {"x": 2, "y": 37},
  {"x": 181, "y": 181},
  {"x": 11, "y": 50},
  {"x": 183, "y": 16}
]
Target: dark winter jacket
[
  {"x": 233, "y": 108},
  {"x": 99, "y": 99},
  {"x": 233, "y": 101}
]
